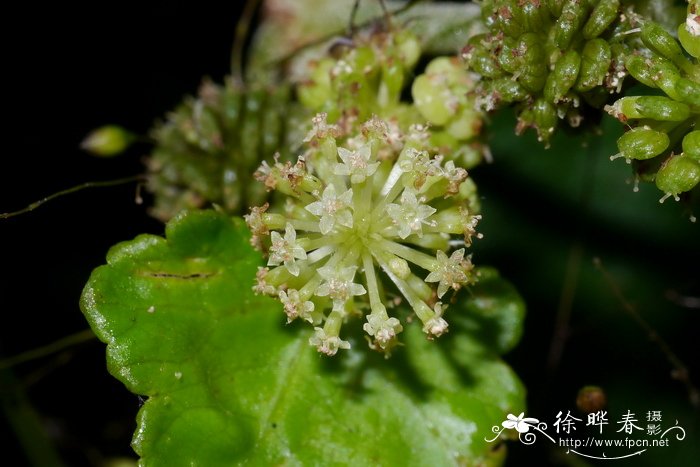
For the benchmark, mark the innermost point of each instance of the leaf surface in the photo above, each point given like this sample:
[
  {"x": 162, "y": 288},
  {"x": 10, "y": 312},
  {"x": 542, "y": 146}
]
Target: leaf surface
[{"x": 229, "y": 384}]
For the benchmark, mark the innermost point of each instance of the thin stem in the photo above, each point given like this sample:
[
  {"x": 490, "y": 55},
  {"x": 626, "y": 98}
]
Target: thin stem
[
  {"x": 82, "y": 186},
  {"x": 681, "y": 372},
  {"x": 48, "y": 349},
  {"x": 307, "y": 226},
  {"x": 409, "y": 254},
  {"x": 320, "y": 40},
  {"x": 375, "y": 301},
  {"x": 422, "y": 310},
  {"x": 239, "y": 39}
]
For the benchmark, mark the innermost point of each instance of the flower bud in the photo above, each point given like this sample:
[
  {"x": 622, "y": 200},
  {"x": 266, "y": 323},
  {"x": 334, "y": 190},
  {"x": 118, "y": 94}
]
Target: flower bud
[
  {"x": 573, "y": 16},
  {"x": 107, "y": 141},
  {"x": 691, "y": 145},
  {"x": 678, "y": 175},
  {"x": 661, "y": 108},
  {"x": 688, "y": 91},
  {"x": 640, "y": 69},
  {"x": 602, "y": 16},
  {"x": 658, "y": 40},
  {"x": 480, "y": 58},
  {"x": 641, "y": 143},
  {"x": 563, "y": 77},
  {"x": 666, "y": 76},
  {"x": 595, "y": 61}
]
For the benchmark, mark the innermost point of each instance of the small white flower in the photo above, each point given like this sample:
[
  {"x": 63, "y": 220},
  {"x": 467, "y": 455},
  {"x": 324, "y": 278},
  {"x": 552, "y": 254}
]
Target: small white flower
[
  {"x": 382, "y": 328},
  {"x": 356, "y": 164},
  {"x": 295, "y": 307},
  {"x": 410, "y": 215},
  {"x": 328, "y": 345},
  {"x": 285, "y": 250},
  {"x": 450, "y": 272},
  {"x": 415, "y": 161},
  {"x": 454, "y": 175},
  {"x": 338, "y": 285},
  {"x": 321, "y": 129},
  {"x": 436, "y": 326},
  {"x": 332, "y": 209},
  {"x": 521, "y": 424}
]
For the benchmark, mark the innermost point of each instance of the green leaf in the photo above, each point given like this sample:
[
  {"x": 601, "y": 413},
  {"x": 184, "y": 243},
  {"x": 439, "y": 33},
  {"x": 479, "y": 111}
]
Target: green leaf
[
  {"x": 493, "y": 314},
  {"x": 229, "y": 384}
]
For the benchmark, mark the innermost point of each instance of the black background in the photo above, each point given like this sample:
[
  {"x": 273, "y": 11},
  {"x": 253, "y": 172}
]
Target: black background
[{"x": 66, "y": 70}]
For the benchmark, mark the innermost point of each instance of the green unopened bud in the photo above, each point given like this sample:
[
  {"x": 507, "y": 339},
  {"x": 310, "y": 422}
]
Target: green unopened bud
[
  {"x": 678, "y": 175},
  {"x": 408, "y": 47},
  {"x": 440, "y": 94},
  {"x": 666, "y": 75},
  {"x": 641, "y": 143},
  {"x": 640, "y": 69},
  {"x": 509, "y": 19},
  {"x": 542, "y": 117},
  {"x": 573, "y": 16},
  {"x": 662, "y": 108},
  {"x": 688, "y": 91},
  {"x": 691, "y": 145},
  {"x": 480, "y": 58},
  {"x": 595, "y": 61},
  {"x": 563, "y": 77},
  {"x": 316, "y": 92},
  {"x": 658, "y": 40},
  {"x": 107, "y": 141},
  {"x": 602, "y": 16},
  {"x": 624, "y": 109},
  {"x": 555, "y": 7},
  {"x": 535, "y": 15},
  {"x": 508, "y": 90},
  {"x": 509, "y": 58},
  {"x": 533, "y": 74}
]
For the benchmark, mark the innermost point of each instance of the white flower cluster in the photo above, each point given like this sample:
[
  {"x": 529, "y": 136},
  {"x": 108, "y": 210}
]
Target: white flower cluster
[{"x": 379, "y": 200}]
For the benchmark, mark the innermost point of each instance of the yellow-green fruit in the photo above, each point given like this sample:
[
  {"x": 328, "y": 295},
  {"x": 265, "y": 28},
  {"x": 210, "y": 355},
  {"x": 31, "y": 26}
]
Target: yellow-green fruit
[{"x": 107, "y": 141}]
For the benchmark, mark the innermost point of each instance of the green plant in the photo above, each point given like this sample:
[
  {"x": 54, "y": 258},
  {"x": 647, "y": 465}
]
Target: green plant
[{"x": 367, "y": 219}]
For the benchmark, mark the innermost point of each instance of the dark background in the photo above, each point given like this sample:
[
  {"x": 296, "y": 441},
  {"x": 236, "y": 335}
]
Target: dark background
[{"x": 68, "y": 70}]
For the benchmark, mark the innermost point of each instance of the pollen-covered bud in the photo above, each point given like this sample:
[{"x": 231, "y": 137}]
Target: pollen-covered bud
[{"x": 384, "y": 204}]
